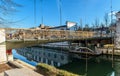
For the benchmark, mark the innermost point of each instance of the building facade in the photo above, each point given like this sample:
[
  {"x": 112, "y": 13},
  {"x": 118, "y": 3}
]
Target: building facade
[{"x": 48, "y": 56}]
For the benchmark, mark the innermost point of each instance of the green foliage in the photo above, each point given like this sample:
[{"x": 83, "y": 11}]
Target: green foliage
[
  {"x": 86, "y": 28},
  {"x": 48, "y": 70},
  {"x": 65, "y": 73}
]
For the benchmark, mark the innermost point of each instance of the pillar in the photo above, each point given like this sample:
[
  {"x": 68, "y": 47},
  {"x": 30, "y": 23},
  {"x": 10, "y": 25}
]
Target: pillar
[
  {"x": 41, "y": 60},
  {"x": 38, "y": 58},
  {"x": 34, "y": 58},
  {"x": 46, "y": 61},
  {"x": 3, "y": 55},
  {"x": 58, "y": 64},
  {"x": 52, "y": 63}
]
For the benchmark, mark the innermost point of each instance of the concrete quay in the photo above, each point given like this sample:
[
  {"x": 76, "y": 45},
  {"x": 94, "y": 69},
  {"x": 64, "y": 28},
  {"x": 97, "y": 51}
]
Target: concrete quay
[{"x": 18, "y": 68}]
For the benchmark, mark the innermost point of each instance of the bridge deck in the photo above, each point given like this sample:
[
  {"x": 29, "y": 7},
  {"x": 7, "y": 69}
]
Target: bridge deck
[
  {"x": 15, "y": 43},
  {"x": 16, "y": 38}
]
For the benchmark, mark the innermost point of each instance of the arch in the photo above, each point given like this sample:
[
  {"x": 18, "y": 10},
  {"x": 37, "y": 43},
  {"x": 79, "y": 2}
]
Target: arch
[
  {"x": 54, "y": 36},
  {"x": 70, "y": 36}
]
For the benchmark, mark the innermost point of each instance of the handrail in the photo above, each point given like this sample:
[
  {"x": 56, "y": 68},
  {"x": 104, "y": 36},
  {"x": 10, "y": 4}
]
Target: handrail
[{"x": 24, "y": 33}]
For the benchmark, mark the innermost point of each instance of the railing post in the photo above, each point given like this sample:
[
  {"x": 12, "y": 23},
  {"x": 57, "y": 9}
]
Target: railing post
[{"x": 24, "y": 35}]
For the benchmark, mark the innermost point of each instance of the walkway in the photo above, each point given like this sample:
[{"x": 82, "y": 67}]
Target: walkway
[
  {"x": 17, "y": 38},
  {"x": 23, "y": 65}
]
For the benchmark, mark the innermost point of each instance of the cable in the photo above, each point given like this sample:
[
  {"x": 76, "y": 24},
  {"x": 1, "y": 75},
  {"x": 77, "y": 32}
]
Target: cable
[
  {"x": 112, "y": 36},
  {"x": 41, "y": 1},
  {"x": 34, "y": 12},
  {"x": 60, "y": 12},
  {"x": 111, "y": 12}
]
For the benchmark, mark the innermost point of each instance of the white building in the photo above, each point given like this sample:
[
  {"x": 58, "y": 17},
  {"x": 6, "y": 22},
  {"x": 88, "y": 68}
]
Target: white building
[{"x": 48, "y": 56}]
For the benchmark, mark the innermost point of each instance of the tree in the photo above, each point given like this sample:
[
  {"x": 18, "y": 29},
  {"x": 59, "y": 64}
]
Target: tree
[
  {"x": 106, "y": 19},
  {"x": 93, "y": 27},
  {"x": 86, "y": 28},
  {"x": 7, "y": 7},
  {"x": 96, "y": 23},
  {"x": 101, "y": 29},
  {"x": 80, "y": 26}
]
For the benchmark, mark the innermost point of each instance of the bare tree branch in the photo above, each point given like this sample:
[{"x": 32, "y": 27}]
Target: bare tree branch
[
  {"x": 106, "y": 19},
  {"x": 7, "y": 7}
]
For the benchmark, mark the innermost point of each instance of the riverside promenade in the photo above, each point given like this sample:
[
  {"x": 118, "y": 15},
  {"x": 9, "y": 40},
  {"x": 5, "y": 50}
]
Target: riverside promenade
[{"x": 15, "y": 68}]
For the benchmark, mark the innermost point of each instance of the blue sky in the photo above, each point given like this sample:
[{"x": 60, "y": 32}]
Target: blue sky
[{"x": 72, "y": 10}]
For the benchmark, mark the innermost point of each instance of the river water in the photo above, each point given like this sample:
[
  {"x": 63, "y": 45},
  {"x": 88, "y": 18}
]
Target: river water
[{"x": 96, "y": 66}]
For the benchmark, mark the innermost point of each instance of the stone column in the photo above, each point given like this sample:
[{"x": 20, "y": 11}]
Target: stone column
[
  {"x": 58, "y": 64},
  {"x": 34, "y": 58},
  {"x": 52, "y": 63},
  {"x": 3, "y": 55},
  {"x": 41, "y": 60},
  {"x": 46, "y": 61},
  {"x": 38, "y": 58}
]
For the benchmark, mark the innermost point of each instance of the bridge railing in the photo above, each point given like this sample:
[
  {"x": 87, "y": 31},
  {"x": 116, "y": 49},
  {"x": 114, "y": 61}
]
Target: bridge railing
[
  {"x": 19, "y": 34},
  {"x": 98, "y": 34}
]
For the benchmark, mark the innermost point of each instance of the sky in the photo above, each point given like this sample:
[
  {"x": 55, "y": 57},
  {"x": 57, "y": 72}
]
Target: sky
[{"x": 71, "y": 10}]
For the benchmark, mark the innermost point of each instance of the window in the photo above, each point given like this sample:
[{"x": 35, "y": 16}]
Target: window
[
  {"x": 48, "y": 54},
  {"x": 62, "y": 57},
  {"x": 55, "y": 56},
  {"x": 49, "y": 62},
  {"x": 55, "y": 63},
  {"x": 39, "y": 58},
  {"x": 39, "y": 52},
  {"x": 44, "y": 53},
  {"x": 44, "y": 60}
]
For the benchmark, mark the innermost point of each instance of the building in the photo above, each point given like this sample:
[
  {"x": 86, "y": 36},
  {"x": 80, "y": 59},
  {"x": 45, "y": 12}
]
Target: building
[
  {"x": 63, "y": 27},
  {"x": 48, "y": 56}
]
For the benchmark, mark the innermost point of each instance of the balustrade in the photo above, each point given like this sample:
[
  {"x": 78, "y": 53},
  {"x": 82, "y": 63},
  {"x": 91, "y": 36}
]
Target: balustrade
[{"x": 48, "y": 34}]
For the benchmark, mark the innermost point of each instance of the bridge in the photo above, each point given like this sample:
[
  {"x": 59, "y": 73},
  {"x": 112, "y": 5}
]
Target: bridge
[
  {"x": 40, "y": 36},
  {"x": 18, "y": 37}
]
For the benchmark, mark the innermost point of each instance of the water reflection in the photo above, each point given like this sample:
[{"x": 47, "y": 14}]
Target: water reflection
[{"x": 97, "y": 66}]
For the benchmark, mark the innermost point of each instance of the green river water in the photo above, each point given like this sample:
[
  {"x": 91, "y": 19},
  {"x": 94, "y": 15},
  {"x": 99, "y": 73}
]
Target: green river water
[{"x": 96, "y": 66}]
